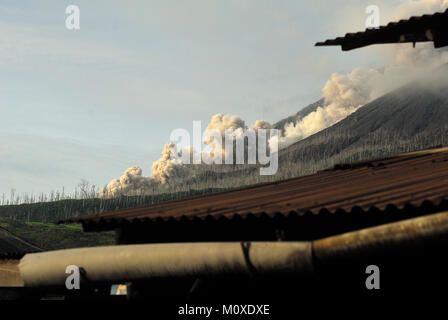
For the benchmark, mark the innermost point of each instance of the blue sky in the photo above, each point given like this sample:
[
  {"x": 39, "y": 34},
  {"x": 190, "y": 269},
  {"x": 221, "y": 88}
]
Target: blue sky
[{"x": 89, "y": 103}]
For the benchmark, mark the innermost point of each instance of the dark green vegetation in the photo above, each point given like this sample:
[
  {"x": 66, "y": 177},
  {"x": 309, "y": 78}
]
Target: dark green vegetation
[
  {"x": 20, "y": 236},
  {"x": 11, "y": 243},
  {"x": 64, "y": 209}
]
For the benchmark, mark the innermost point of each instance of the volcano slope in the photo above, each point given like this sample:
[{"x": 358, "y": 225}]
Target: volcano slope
[{"x": 411, "y": 118}]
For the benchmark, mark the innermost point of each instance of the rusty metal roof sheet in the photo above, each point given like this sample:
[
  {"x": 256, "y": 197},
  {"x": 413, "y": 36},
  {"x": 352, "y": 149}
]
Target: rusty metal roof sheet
[
  {"x": 413, "y": 179},
  {"x": 415, "y": 29}
]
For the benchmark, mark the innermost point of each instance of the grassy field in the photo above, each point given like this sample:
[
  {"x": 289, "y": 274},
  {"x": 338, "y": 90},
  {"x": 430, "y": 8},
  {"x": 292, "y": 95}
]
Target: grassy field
[{"x": 48, "y": 236}]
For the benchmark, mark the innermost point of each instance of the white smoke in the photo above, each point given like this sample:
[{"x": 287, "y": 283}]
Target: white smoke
[
  {"x": 221, "y": 123},
  {"x": 261, "y": 124},
  {"x": 343, "y": 95},
  {"x": 170, "y": 169},
  {"x": 418, "y": 8},
  {"x": 167, "y": 168},
  {"x": 238, "y": 128},
  {"x": 131, "y": 183}
]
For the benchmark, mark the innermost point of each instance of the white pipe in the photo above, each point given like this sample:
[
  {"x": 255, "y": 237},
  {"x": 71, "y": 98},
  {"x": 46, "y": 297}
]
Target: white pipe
[{"x": 145, "y": 261}]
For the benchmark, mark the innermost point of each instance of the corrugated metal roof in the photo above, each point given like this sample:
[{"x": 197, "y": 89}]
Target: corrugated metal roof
[
  {"x": 415, "y": 29},
  {"x": 413, "y": 179}
]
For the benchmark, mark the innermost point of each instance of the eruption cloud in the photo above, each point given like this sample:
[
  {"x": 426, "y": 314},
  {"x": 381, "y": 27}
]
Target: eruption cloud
[{"x": 170, "y": 169}]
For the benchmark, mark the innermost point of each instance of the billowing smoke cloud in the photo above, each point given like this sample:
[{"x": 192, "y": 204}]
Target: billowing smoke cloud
[
  {"x": 170, "y": 169},
  {"x": 222, "y": 122},
  {"x": 237, "y": 126},
  {"x": 261, "y": 124},
  {"x": 417, "y": 8},
  {"x": 165, "y": 170},
  {"x": 343, "y": 95},
  {"x": 131, "y": 183}
]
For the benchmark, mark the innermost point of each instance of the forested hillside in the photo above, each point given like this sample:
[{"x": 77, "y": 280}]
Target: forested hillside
[{"x": 54, "y": 211}]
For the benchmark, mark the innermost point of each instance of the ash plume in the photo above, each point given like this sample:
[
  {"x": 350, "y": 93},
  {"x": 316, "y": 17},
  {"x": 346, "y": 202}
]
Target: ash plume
[{"x": 170, "y": 169}]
